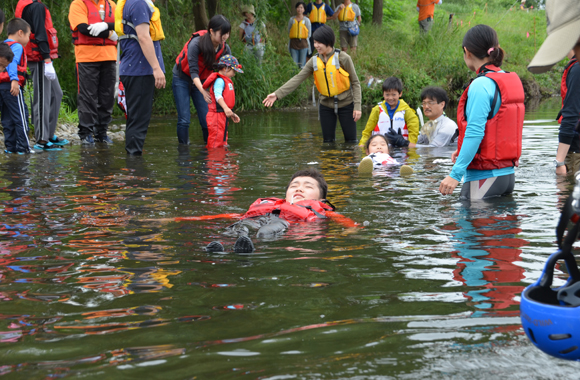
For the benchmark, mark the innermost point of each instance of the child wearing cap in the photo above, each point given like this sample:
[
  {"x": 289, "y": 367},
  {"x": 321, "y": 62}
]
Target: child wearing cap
[{"x": 223, "y": 99}]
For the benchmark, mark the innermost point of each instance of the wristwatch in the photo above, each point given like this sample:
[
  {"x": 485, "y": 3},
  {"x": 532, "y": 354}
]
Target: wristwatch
[{"x": 558, "y": 163}]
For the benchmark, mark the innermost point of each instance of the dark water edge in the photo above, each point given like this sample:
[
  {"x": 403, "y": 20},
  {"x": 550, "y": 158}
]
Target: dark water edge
[{"x": 97, "y": 281}]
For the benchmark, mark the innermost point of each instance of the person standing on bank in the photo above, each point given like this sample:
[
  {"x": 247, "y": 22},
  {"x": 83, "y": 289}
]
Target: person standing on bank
[
  {"x": 92, "y": 24},
  {"x": 318, "y": 13},
  {"x": 426, "y": 9},
  {"x": 141, "y": 69},
  {"x": 563, "y": 36},
  {"x": 336, "y": 80},
  {"x": 192, "y": 67},
  {"x": 40, "y": 52},
  {"x": 253, "y": 32},
  {"x": 349, "y": 17},
  {"x": 490, "y": 117},
  {"x": 299, "y": 29}
]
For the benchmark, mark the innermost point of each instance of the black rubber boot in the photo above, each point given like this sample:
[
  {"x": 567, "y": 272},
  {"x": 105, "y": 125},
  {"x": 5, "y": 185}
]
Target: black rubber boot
[
  {"x": 244, "y": 245},
  {"x": 215, "y": 246}
]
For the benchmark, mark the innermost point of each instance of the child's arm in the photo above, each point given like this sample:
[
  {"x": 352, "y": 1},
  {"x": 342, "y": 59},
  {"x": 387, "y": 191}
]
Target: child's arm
[
  {"x": 371, "y": 124},
  {"x": 412, "y": 122},
  {"x": 14, "y": 88},
  {"x": 12, "y": 69},
  {"x": 218, "y": 90}
]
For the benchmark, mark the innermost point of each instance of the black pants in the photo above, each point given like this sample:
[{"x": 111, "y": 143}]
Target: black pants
[
  {"x": 139, "y": 96},
  {"x": 14, "y": 120},
  {"x": 328, "y": 122},
  {"x": 95, "y": 98}
]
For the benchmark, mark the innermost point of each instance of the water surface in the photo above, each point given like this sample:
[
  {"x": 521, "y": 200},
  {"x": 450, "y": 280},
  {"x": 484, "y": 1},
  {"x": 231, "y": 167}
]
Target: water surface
[{"x": 96, "y": 281}]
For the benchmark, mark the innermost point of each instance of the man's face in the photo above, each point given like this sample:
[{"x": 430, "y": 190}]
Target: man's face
[
  {"x": 392, "y": 97},
  {"x": 303, "y": 188},
  {"x": 432, "y": 109},
  {"x": 3, "y": 64}
]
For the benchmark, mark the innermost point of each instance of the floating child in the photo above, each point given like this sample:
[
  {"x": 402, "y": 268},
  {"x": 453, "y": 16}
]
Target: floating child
[
  {"x": 377, "y": 149},
  {"x": 223, "y": 99},
  {"x": 305, "y": 201}
]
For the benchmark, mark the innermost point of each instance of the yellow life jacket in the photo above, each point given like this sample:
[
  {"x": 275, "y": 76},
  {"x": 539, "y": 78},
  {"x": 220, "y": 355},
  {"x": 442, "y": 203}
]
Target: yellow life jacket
[
  {"x": 318, "y": 14},
  {"x": 330, "y": 79},
  {"x": 346, "y": 14},
  {"x": 155, "y": 28},
  {"x": 299, "y": 30}
]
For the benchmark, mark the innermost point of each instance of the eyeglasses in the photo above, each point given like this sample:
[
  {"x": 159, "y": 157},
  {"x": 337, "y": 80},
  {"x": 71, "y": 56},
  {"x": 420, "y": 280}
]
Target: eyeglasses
[{"x": 428, "y": 104}]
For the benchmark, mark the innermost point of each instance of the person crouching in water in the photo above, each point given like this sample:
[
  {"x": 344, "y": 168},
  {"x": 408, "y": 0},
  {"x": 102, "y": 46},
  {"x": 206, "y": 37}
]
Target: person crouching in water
[
  {"x": 305, "y": 202},
  {"x": 377, "y": 150},
  {"x": 223, "y": 99}
]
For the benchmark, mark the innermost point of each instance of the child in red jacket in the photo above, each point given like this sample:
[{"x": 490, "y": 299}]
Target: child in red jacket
[{"x": 223, "y": 99}]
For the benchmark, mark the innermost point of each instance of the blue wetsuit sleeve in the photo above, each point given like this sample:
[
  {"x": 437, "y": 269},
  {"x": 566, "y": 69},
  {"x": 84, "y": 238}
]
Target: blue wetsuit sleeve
[
  {"x": 218, "y": 88},
  {"x": 479, "y": 99},
  {"x": 12, "y": 68}
]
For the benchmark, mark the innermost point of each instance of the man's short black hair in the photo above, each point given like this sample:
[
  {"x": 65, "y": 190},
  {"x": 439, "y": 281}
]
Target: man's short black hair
[
  {"x": 15, "y": 25},
  {"x": 315, "y": 174},
  {"x": 324, "y": 35},
  {"x": 393, "y": 83},
  {"x": 435, "y": 93},
  {"x": 6, "y": 52}
]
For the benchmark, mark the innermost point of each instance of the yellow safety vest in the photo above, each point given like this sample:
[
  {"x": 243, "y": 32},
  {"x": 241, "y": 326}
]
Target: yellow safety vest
[
  {"x": 346, "y": 14},
  {"x": 330, "y": 79},
  {"x": 299, "y": 30},
  {"x": 155, "y": 28},
  {"x": 318, "y": 14}
]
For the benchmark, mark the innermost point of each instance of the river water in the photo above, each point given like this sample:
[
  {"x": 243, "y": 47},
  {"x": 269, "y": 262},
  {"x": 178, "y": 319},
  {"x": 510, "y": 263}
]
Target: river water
[{"x": 97, "y": 281}]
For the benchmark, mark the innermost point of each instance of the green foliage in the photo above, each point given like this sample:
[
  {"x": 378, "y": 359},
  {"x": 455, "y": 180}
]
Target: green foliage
[{"x": 396, "y": 48}]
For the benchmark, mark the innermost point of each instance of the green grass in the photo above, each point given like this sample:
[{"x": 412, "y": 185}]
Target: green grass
[{"x": 396, "y": 49}]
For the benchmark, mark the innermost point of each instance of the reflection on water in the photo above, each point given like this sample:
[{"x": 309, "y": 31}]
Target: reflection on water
[{"x": 96, "y": 280}]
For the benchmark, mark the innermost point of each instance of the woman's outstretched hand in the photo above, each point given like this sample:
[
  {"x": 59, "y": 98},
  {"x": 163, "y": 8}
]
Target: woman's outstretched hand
[{"x": 270, "y": 99}]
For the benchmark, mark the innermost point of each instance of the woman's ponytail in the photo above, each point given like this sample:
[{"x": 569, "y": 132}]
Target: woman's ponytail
[{"x": 481, "y": 41}]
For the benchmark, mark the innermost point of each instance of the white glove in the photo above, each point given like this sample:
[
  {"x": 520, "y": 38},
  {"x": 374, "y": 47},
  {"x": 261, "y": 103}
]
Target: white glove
[
  {"x": 49, "y": 72},
  {"x": 97, "y": 28},
  {"x": 114, "y": 36},
  {"x": 418, "y": 9}
]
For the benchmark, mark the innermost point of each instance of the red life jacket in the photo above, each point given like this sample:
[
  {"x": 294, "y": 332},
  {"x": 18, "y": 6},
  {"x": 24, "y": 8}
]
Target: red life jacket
[
  {"x": 564, "y": 86},
  {"x": 21, "y": 68},
  {"x": 501, "y": 146},
  {"x": 229, "y": 94},
  {"x": 93, "y": 17},
  {"x": 31, "y": 49},
  {"x": 183, "y": 63},
  {"x": 306, "y": 211}
]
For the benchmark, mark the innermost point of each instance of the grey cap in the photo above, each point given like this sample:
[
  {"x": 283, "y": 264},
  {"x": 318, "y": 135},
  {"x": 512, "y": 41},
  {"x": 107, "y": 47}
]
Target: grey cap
[{"x": 563, "y": 33}]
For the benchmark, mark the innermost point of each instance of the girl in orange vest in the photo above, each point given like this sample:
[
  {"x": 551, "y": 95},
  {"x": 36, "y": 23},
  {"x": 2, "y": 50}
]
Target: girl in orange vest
[{"x": 223, "y": 99}]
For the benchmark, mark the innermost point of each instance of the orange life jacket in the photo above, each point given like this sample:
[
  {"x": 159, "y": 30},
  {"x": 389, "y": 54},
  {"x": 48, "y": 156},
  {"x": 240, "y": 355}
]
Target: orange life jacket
[
  {"x": 229, "y": 94},
  {"x": 501, "y": 146},
  {"x": 31, "y": 49},
  {"x": 93, "y": 17},
  {"x": 21, "y": 68},
  {"x": 305, "y": 211},
  {"x": 183, "y": 63}
]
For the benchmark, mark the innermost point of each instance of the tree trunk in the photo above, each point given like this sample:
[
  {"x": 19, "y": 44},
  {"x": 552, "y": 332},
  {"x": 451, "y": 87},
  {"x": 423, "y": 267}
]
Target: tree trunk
[
  {"x": 199, "y": 14},
  {"x": 212, "y": 6},
  {"x": 378, "y": 12},
  {"x": 293, "y": 7}
]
